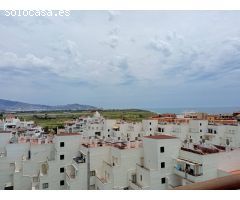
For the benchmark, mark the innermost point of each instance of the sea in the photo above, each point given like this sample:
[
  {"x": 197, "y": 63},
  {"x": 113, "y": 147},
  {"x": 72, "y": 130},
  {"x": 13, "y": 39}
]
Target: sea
[{"x": 209, "y": 110}]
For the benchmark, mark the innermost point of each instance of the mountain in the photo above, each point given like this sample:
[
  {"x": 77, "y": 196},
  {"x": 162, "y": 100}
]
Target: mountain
[{"x": 7, "y": 105}]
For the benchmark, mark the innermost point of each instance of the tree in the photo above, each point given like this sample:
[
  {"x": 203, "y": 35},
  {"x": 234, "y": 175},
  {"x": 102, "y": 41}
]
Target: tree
[{"x": 46, "y": 129}]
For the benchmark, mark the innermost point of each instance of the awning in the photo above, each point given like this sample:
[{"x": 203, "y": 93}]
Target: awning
[{"x": 188, "y": 162}]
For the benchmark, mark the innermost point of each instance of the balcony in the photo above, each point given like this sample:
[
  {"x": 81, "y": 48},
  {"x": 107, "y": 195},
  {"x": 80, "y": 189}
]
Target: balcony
[
  {"x": 136, "y": 186},
  {"x": 80, "y": 159},
  {"x": 35, "y": 185},
  {"x": 71, "y": 172},
  {"x": 103, "y": 183},
  {"x": 44, "y": 169},
  {"x": 141, "y": 165},
  {"x": 18, "y": 167},
  {"x": 102, "y": 180},
  {"x": 190, "y": 177},
  {"x": 188, "y": 170}
]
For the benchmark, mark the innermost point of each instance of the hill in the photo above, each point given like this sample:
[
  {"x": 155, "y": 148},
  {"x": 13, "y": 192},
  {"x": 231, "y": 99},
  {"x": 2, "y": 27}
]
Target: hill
[{"x": 7, "y": 105}]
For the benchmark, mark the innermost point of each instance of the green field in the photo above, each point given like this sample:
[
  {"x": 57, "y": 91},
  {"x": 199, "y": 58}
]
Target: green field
[{"x": 53, "y": 119}]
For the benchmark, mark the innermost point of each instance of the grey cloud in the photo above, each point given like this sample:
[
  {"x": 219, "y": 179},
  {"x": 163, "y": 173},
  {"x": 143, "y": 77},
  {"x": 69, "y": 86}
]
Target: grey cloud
[
  {"x": 160, "y": 46},
  {"x": 134, "y": 50},
  {"x": 112, "y": 38},
  {"x": 112, "y": 14},
  {"x": 25, "y": 62}
]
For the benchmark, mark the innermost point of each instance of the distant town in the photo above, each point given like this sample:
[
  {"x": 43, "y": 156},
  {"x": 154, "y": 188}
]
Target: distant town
[{"x": 98, "y": 151}]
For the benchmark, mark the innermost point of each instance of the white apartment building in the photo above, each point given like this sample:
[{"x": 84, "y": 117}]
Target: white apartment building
[
  {"x": 155, "y": 168},
  {"x": 114, "y": 154},
  {"x": 204, "y": 162}
]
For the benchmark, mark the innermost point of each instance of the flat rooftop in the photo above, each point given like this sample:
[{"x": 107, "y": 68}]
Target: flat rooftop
[
  {"x": 235, "y": 172},
  {"x": 117, "y": 144},
  {"x": 204, "y": 150},
  {"x": 68, "y": 134},
  {"x": 5, "y": 131},
  {"x": 160, "y": 137}
]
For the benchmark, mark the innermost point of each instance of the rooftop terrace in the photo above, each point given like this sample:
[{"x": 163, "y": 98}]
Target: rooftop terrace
[
  {"x": 160, "y": 137},
  {"x": 205, "y": 149},
  {"x": 68, "y": 134},
  {"x": 117, "y": 144}
]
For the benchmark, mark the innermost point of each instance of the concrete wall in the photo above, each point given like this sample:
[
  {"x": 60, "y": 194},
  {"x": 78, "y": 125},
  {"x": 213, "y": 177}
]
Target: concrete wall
[
  {"x": 6, "y": 171},
  {"x": 4, "y": 140},
  {"x": 70, "y": 149},
  {"x": 17, "y": 151}
]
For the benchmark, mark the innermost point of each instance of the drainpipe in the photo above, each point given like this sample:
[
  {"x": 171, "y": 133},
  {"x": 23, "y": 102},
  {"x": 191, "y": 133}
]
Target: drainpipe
[{"x": 88, "y": 170}]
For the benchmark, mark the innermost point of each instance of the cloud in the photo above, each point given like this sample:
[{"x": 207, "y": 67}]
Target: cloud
[
  {"x": 112, "y": 38},
  {"x": 138, "y": 53},
  {"x": 29, "y": 61},
  {"x": 112, "y": 15},
  {"x": 68, "y": 63},
  {"x": 161, "y": 46}
]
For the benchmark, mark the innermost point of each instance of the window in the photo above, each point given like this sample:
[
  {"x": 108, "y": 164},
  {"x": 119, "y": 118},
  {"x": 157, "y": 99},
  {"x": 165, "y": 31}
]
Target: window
[
  {"x": 97, "y": 133},
  {"x": 45, "y": 185},
  {"x": 108, "y": 130},
  {"x": 150, "y": 123},
  {"x": 200, "y": 130},
  {"x": 161, "y": 149},
  {"x": 134, "y": 178},
  {"x": 162, "y": 164},
  {"x": 62, "y": 182},
  {"x": 200, "y": 124},
  {"x": 61, "y": 157},
  {"x": 62, "y": 170},
  {"x": 150, "y": 129},
  {"x": 140, "y": 177},
  {"x": 61, "y": 144},
  {"x": 92, "y": 173},
  {"x": 8, "y": 188},
  {"x": 163, "y": 180}
]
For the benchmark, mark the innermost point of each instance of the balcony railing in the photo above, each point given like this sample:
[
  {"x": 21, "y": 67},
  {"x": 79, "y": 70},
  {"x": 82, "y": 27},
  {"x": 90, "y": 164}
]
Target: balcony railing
[
  {"x": 79, "y": 160},
  {"x": 136, "y": 186},
  {"x": 142, "y": 166},
  {"x": 71, "y": 175},
  {"x": 193, "y": 177},
  {"x": 190, "y": 173},
  {"x": 102, "y": 180}
]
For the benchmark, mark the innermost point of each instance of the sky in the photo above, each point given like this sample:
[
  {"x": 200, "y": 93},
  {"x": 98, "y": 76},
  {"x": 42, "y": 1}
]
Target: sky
[{"x": 122, "y": 59}]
